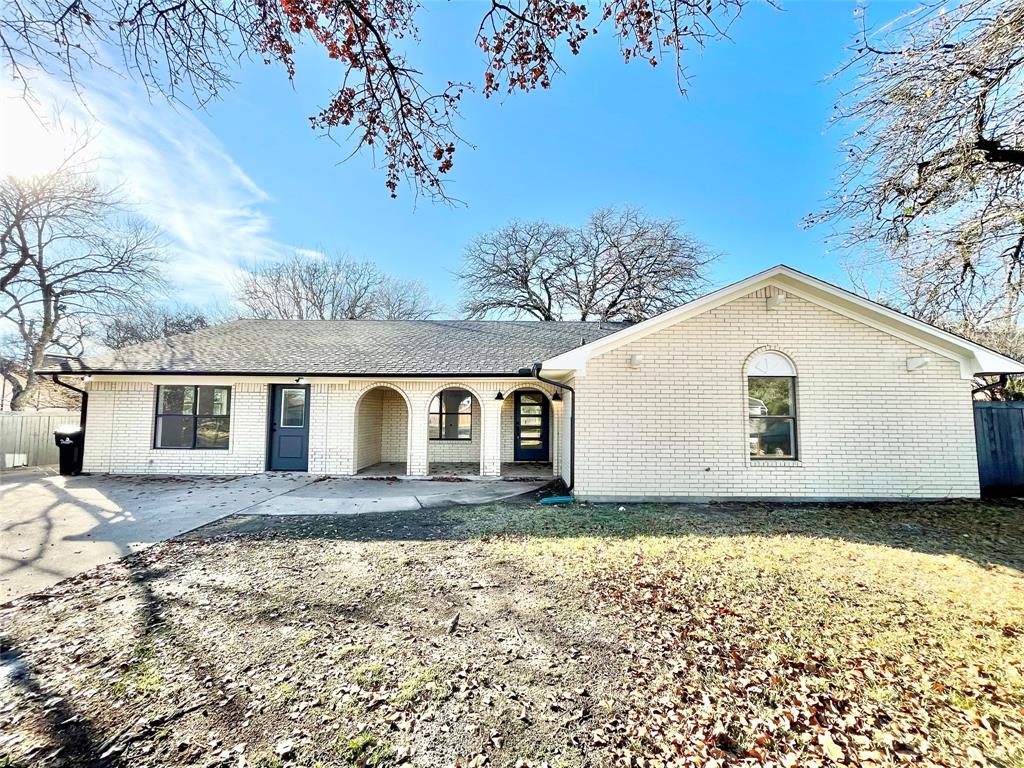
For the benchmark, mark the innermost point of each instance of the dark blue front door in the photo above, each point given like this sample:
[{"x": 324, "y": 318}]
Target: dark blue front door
[
  {"x": 289, "y": 427},
  {"x": 531, "y": 426}
]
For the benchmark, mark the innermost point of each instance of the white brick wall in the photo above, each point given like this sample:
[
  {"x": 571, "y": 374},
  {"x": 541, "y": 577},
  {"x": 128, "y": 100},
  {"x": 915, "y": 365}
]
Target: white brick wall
[
  {"x": 394, "y": 428},
  {"x": 677, "y": 426},
  {"x": 369, "y": 428},
  {"x": 121, "y": 411},
  {"x": 119, "y": 433}
]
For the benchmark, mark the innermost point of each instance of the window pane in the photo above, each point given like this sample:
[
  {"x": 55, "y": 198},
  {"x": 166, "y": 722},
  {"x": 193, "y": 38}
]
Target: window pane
[
  {"x": 531, "y": 397},
  {"x": 771, "y": 438},
  {"x": 531, "y": 410},
  {"x": 435, "y": 404},
  {"x": 214, "y": 401},
  {"x": 774, "y": 393},
  {"x": 174, "y": 431},
  {"x": 531, "y": 421},
  {"x": 177, "y": 399},
  {"x": 450, "y": 426},
  {"x": 456, "y": 401},
  {"x": 434, "y": 426},
  {"x": 465, "y": 426},
  {"x": 293, "y": 408},
  {"x": 212, "y": 432}
]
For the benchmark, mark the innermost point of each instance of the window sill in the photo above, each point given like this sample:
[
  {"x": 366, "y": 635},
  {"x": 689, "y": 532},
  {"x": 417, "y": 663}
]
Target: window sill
[
  {"x": 451, "y": 439},
  {"x": 183, "y": 448},
  {"x": 775, "y": 462}
]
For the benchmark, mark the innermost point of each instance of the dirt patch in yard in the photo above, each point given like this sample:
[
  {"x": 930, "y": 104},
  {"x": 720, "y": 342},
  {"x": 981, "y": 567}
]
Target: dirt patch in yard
[
  {"x": 518, "y": 635},
  {"x": 313, "y": 652}
]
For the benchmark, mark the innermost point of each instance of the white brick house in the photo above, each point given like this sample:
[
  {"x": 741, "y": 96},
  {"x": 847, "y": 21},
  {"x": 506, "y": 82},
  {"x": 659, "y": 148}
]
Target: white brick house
[{"x": 779, "y": 386}]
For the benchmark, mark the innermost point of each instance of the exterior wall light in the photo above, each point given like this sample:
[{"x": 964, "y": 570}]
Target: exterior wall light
[
  {"x": 557, "y": 397},
  {"x": 302, "y": 380},
  {"x": 499, "y": 396}
]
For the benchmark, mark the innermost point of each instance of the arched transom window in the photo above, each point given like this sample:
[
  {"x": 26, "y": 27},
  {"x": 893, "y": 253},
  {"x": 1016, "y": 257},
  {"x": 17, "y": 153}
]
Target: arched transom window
[
  {"x": 771, "y": 404},
  {"x": 451, "y": 415}
]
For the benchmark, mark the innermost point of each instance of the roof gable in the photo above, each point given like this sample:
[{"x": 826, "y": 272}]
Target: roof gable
[{"x": 973, "y": 358}]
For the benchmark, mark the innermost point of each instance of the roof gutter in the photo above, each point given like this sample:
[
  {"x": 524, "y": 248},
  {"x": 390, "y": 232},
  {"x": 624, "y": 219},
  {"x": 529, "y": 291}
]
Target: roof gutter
[
  {"x": 82, "y": 392},
  {"x": 293, "y": 374},
  {"x": 535, "y": 372}
]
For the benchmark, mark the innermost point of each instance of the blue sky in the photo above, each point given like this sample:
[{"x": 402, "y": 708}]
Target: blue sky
[{"x": 740, "y": 160}]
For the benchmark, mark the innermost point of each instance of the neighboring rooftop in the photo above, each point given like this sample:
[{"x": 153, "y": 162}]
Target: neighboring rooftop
[{"x": 349, "y": 347}]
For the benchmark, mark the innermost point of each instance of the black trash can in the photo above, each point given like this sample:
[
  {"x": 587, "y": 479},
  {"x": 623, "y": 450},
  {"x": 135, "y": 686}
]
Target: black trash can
[{"x": 70, "y": 441}]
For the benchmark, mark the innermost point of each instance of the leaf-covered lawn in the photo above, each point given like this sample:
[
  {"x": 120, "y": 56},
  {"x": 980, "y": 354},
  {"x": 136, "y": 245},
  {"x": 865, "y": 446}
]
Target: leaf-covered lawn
[{"x": 521, "y": 635}]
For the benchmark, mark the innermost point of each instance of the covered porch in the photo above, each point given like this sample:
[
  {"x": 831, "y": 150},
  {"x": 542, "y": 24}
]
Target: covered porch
[{"x": 509, "y": 429}]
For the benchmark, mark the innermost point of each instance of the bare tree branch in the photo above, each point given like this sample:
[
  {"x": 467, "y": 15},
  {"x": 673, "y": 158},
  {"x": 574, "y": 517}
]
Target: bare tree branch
[
  {"x": 930, "y": 196},
  {"x": 188, "y": 49},
  {"x": 621, "y": 265},
  {"x": 86, "y": 260},
  {"x": 331, "y": 288}
]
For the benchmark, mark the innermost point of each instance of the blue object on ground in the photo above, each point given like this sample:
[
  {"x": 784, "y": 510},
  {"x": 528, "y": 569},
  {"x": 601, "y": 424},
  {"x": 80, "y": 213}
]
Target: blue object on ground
[{"x": 558, "y": 500}]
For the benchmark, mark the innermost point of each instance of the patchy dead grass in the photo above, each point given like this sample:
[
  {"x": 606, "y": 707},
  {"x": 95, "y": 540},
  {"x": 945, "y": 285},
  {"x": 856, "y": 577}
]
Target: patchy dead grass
[{"x": 521, "y": 635}]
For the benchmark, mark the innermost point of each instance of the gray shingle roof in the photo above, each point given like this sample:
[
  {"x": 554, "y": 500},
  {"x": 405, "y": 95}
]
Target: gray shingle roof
[{"x": 350, "y": 347}]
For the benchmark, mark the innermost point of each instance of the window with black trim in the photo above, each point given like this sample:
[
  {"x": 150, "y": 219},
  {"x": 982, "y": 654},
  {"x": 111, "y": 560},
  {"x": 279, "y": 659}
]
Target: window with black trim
[
  {"x": 194, "y": 417},
  {"x": 451, "y": 415},
  {"x": 771, "y": 407}
]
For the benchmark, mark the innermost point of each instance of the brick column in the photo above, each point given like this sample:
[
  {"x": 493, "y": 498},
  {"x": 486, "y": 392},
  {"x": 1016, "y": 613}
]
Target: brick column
[
  {"x": 418, "y": 443},
  {"x": 490, "y": 433}
]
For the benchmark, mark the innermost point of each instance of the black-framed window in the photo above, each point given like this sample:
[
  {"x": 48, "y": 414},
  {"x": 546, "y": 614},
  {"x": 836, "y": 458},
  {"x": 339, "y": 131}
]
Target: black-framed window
[
  {"x": 771, "y": 401},
  {"x": 451, "y": 415},
  {"x": 195, "y": 417}
]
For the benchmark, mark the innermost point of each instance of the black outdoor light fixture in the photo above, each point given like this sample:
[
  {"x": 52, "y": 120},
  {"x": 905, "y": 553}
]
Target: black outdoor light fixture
[
  {"x": 300, "y": 380},
  {"x": 557, "y": 397},
  {"x": 499, "y": 396}
]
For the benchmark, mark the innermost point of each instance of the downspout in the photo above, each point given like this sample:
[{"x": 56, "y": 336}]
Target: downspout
[
  {"x": 535, "y": 372},
  {"x": 82, "y": 392}
]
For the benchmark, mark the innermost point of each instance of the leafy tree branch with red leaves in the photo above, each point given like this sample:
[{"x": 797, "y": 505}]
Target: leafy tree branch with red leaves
[{"x": 186, "y": 49}]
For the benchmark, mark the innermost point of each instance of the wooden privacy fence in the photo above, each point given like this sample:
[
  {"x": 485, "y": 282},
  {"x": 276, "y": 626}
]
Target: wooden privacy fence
[
  {"x": 999, "y": 432},
  {"x": 26, "y": 439}
]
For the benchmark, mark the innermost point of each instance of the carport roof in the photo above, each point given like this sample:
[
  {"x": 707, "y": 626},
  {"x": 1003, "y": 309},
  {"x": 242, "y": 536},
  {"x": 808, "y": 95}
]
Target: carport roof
[{"x": 348, "y": 348}]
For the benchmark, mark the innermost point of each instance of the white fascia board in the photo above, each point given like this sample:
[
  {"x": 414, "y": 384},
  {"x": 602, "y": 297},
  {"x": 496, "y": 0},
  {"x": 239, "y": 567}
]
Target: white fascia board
[
  {"x": 973, "y": 358},
  {"x": 210, "y": 379}
]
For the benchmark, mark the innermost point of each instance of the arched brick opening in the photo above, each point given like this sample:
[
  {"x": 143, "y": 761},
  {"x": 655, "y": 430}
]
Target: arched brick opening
[
  {"x": 381, "y": 435},
  {"x": 454, "y": 442}
]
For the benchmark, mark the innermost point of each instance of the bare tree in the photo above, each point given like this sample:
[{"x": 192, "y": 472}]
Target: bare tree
[
  {"x": 621, "y": 265},
  {"x": 87, "y": 260},
  {"x": 24, "y": 199},
  {"x": 401, "y": 299},
  {"x": 148, "y": 323},
  {"x": 189, "y": 49},
  {"x": 930, "y": 198},
  {"x": 515, "y": 271},
  {"x": 331, "y": 288}
]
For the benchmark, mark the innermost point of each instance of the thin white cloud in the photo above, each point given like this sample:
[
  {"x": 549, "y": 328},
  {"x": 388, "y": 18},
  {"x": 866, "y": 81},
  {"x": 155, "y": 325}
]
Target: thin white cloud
[{"x": 173, "y": 169}]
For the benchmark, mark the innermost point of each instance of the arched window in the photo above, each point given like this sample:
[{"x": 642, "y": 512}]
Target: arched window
[
  {"x": 771, "y": 405},
  {"x": 451, "y": 415}
]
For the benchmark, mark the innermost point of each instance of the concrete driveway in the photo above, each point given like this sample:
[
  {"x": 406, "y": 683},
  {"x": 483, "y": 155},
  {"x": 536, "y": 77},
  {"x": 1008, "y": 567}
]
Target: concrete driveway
[{"x": 54, "y": 527}]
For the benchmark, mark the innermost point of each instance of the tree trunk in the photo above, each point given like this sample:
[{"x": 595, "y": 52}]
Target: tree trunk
[
  {"x": 23, "y": 395},
  {"x": 22, "y": 401}
]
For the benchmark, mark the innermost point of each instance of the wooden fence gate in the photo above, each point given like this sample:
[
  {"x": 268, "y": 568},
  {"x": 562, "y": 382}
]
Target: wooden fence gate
[
  {"x": 999, "y": 432},
  {"x": 26, "y": 438}
]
